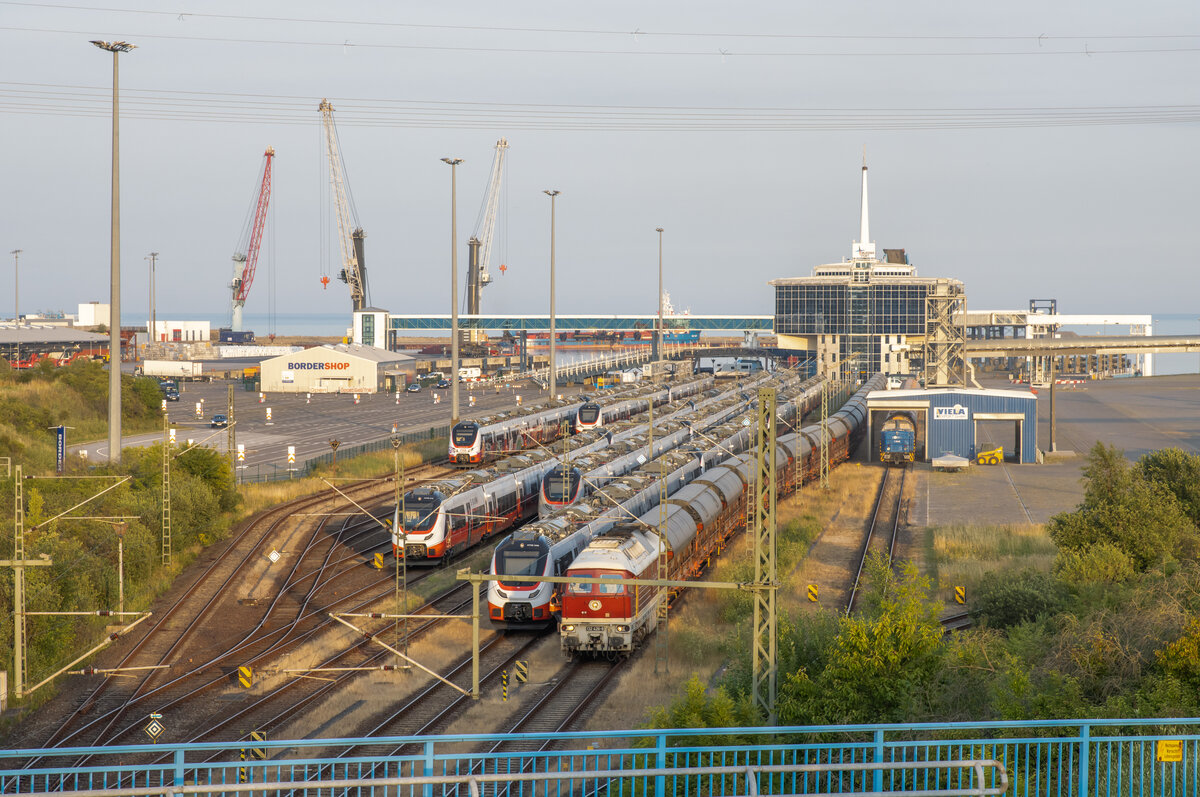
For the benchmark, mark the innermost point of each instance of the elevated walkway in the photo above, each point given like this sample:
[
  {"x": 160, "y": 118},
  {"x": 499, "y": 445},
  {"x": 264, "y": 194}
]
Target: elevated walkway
[{"x": 564, "y": 323}]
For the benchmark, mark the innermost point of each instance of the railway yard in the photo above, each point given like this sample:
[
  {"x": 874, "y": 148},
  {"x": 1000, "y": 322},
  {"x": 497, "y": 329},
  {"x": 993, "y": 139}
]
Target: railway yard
[{"x": 265, "y": 600}]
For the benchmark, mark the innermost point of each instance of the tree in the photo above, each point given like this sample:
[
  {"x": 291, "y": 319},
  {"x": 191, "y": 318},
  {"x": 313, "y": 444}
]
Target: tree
[
  {"x": 1141, "y": 517},
  {"x": 1179, "y": 472}
]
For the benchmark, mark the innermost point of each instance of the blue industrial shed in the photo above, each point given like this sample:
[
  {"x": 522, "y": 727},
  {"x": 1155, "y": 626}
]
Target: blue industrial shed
[{"x": 948, "y": 420}]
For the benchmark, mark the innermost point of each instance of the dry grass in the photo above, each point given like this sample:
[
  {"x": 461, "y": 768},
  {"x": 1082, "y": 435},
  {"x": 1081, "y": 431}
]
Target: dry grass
[
  {"x": 961, "y": 554},
  {"x": 260, "y": 496}
]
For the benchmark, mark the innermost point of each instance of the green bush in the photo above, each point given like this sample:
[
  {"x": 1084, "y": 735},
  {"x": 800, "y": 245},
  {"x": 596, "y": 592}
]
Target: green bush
[
  {"x": 1008, "y": 599},
  {"x": 1101, "y": 563}
]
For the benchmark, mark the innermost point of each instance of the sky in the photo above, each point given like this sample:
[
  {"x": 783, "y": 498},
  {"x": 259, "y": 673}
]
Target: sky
[{"x": 1029, "y": 149}]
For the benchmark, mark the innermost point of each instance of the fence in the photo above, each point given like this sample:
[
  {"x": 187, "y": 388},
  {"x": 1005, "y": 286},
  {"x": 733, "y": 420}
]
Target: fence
[
  {"x": 1041, "y": 758},
  {"x": 270, "y": 472}
]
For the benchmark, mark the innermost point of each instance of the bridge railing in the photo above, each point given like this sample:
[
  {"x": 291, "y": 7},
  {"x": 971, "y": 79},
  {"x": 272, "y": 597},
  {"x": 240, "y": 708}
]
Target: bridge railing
[{"x": 1040, "y": 758}]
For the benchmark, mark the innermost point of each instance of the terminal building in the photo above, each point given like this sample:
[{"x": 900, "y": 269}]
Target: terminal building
[
  {"x": 344, "y": 368},
  {"x": 870, "y": 315}
]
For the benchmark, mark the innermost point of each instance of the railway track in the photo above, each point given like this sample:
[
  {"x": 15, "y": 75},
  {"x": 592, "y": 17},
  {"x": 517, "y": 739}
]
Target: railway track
[
  {"x": 886, "y": 517},
  {"x": 189, "y": 622}
]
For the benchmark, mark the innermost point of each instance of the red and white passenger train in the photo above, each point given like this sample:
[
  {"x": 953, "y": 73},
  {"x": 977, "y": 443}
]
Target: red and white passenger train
[
  {"x": 612, "y": 619},
  {"x": 548, "y": 546},
  {"x": 471, "y": 442}
]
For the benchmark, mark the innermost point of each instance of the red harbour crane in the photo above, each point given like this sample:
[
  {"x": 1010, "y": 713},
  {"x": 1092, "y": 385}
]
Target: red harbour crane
[{"x": 246, "y": 257}]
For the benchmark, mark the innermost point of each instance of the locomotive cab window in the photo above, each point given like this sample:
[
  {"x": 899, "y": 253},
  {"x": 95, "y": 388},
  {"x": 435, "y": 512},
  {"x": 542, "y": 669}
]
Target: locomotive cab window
[{"x": 464, "y": 433}]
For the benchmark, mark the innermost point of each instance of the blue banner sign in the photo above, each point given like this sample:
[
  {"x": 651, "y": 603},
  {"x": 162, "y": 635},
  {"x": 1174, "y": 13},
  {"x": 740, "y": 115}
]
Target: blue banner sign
[{"x": 61, "y": 432}]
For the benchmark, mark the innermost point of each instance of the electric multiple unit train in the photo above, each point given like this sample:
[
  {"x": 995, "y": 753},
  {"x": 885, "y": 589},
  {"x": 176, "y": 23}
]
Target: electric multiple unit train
[{"x": 471, "y": 442}]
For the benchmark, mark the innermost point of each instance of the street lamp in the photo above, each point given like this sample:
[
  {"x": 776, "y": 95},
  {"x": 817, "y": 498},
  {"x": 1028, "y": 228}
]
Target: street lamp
[
  {"x": 453, "y": 288},
  {"x": 153, "y": 335},
  {"x": 552, "y": 193},
  {"x": 16, "y": 253},
  {"x": 114, "y": 319},
  {"x": 658, "y": 354}
]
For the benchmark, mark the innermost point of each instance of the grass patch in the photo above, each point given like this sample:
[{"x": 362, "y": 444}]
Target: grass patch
[
  {"x": 260, "y": 496},
  {"x": 962, "y": 554}
]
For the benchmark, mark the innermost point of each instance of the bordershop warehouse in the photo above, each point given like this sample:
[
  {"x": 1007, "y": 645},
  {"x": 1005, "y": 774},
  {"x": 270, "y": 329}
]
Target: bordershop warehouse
[{"x": 341, "y": 368}]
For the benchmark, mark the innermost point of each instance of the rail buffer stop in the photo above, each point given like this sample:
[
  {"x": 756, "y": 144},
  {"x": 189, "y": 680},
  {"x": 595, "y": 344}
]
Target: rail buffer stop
[{"x": 961, "y": 421}]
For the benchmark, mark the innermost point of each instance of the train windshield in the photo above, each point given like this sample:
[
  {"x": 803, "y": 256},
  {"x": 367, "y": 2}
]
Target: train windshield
[
  {"x": 420, "y": 511},
  {"x": 464, "y": 434},
  {"x": 560, "y": 484},
  {"x": 596, "y": 589},
  {"x": 589, "y": 413},
  {"x": 521, "y": 558}
]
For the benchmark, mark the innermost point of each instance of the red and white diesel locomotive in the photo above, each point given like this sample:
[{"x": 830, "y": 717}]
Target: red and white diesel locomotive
[{"x": 613, "y": 619}]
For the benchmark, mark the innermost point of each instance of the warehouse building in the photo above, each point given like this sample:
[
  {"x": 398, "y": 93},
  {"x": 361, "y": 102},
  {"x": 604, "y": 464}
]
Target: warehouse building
[
  {"x": 961, "y": 421},
  {"x": 344, "y": 368}
]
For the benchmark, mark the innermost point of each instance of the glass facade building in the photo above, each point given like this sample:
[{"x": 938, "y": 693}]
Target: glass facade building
[{"x": 864, "y": 310}]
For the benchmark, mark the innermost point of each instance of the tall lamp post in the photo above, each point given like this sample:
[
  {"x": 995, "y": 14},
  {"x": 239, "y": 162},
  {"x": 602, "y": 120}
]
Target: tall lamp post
[
  {"x": 659, "y": 353},
  {"x": 552, "y": 193},
  {"x": 453, "y": 289},
  {"x": 114, "y": 319},
  {"x": 153, "y": 335},
  {"x": 16, "y": 253}
]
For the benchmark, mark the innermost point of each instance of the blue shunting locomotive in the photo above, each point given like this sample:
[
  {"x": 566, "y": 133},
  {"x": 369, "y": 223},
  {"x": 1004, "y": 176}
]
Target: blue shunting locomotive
[{"x": 898, "y": 438}]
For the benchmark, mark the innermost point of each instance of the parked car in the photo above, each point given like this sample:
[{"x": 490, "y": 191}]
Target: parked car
[
  {"x": 219, "y": 420},
  {"x": 413, "y": 387}
]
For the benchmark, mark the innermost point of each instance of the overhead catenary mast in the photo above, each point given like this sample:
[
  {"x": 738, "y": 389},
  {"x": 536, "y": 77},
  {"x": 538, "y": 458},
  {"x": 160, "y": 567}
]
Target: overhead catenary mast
[
  {"x": 245, "y": 259},
  {"x": 350, "y": 236},
  {"x": 480, "y": 244}
]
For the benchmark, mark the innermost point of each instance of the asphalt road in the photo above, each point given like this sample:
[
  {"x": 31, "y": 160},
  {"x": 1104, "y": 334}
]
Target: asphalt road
[{"x": 310, "y": 424}]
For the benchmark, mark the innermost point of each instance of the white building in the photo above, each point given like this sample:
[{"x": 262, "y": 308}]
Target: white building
[
  {"x": 344, "y": 368},
  {"x": 181, "y": 331},
  {"x": 93, "y": 314}
]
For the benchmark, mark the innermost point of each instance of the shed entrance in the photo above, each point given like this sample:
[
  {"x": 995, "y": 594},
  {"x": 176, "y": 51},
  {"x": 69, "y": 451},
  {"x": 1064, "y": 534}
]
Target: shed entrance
[{"x": 999, "y": 429}]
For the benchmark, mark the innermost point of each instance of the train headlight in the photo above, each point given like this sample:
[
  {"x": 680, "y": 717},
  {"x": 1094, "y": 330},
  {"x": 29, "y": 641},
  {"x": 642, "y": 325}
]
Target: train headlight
[
  {"x": 568, "y": 627},
  {"x": 623, "y": 628}
]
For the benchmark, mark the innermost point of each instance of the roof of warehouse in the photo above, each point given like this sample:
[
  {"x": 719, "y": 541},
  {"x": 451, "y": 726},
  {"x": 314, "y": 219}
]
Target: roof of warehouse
[
  {"x": 368, "y": 352},
  {"x": 883, "y": 395},
  {"x": 34, "y": 333}
]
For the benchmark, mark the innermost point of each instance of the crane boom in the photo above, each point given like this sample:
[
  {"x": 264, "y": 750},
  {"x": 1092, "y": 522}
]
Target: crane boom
[
  {"x": 247, "y": 254},
  {"x": 485, "y": 225},
  {"x": 350, "y": 236}
]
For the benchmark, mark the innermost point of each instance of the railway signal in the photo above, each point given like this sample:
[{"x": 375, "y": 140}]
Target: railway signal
[
  {"x": 262, "y": 397},
  {"x": 522, "y": 670},
  {"x": 171, "y": 437},
  {"x": 355, "y": 398},
  {"x": 199, "y": 410},
  {"x": 960, "y": 595},
  {"x": 269, "y": 421},
  {"x": 291, "y": 455},
  {"x": 812, "y": 592},
  {"x": 378, "y": 561},
  {"x": 245, "y": 676},
  {"x": 241, "y": 452}
]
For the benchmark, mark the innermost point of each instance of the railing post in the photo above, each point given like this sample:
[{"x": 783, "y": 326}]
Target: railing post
[
  {"x": 1085, "y": 743},
  {"x": 429, "y": 768},
  {"x": 660, "y": 781},
  {"x": 179, "y": 767},
  {"x": 877, "y": 776}
]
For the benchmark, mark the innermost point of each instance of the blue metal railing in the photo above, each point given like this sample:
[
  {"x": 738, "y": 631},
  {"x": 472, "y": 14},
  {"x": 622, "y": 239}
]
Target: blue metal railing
[{"x": 1117, "y": 758}]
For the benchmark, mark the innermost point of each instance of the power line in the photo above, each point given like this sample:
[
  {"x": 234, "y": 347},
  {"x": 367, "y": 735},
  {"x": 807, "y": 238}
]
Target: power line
[
  {"x": 184, "y": 15},
  {"x": 346, "y": 44}
]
